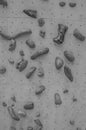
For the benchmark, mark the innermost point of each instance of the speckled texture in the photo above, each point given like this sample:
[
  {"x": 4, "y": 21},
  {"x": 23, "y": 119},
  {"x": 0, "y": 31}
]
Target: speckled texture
[{"x": 13, "y": 82}]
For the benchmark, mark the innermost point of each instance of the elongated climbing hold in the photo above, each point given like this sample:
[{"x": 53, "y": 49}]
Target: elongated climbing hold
[
  {"x": 78, "y": 35},
  {"x": 31, "y": 13},
  {"x": 39, "y": 53},
  {"x": 68, "y": 73}
]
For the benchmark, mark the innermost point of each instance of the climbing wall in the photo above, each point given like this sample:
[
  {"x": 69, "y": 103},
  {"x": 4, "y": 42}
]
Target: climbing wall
[{"x": 42, "y": 65}]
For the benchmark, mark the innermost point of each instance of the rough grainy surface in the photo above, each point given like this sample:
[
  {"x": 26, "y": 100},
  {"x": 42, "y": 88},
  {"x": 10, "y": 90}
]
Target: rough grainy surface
[{"x": 71, "y": 114}]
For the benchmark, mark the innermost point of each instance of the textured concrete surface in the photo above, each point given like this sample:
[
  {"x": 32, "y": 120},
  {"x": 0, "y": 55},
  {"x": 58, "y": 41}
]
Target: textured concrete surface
[{"x": 13, "y": 82}]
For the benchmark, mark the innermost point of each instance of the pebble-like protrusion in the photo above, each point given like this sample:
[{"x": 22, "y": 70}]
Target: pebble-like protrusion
[
  {"x": 78, "y": 35},
  {"x": 2, "y": 69},
  {"x": 38, "y": 122},
  {"x": 30, "y": 72},
  {"x": 62, "y": 29},
  {"x": 39, "y": 53},
  {"x": 13, "y": 114},
  {"x": 40, "y": 89},
  {"x": 57, "y": 99},
  {"x": 31, "y": 13},
  {"x": 72, "y": 4},
  {"x": 29, "y": 105},
  {"x": 59, "y": 62},
  {"x": 4, "y": 104},
  {"x": 72, "y": 122},
  {"x": 13, "y": 98},
  {"x": 42, "y": 33},
  {"x": 21, "y": 64},
  {"x": 68, "y": 73},
  {"x": 41, "y": 22},
  {"x": 21, "y": 52},
  {"x": 40, "y": 72},
  {"x": 12, "y": 45},
  {"x": 74, "y": 99},
  {"x": 62, "y": 3},
  {"x": 30, "y": 43},
  {"x": 65, "y": 91},
  {"x": 69, "y": 56}
]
